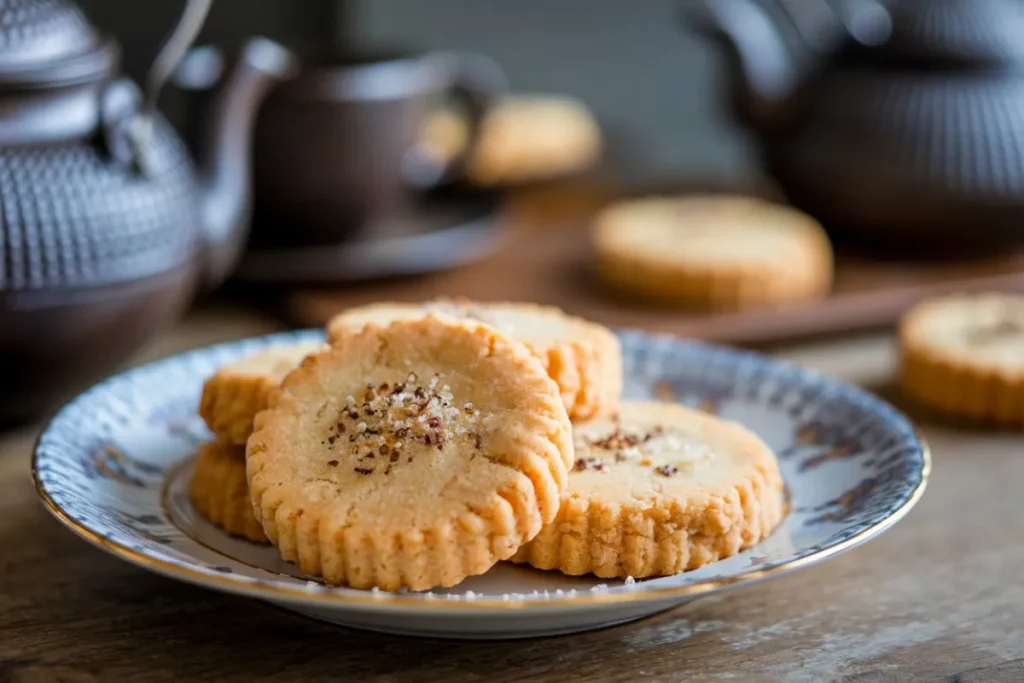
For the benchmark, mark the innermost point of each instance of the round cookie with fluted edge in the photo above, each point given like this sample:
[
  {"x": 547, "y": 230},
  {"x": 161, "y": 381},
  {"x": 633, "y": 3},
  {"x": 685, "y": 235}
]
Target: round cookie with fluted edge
[
  {"x": 584, "y": 358},
  {"x": 410, "y": 456},
  {"x": 714, "y": 252},
  {"x": 522, "y": 138},
  {"x": 657, "y": 490},
  {"x": 964, "y": 355},
  {"x": 236, "y": 392},
  {"x": 219, "y": 491}
]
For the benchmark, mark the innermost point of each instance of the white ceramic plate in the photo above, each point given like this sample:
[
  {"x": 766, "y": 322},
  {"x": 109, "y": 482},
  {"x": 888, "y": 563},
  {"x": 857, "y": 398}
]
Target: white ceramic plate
[{"x": 113, "y": 466}]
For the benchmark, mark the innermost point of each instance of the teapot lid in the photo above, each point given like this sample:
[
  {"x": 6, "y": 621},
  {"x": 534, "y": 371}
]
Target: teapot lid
[
  {"x": 46, "y": 43},
  {"x": 956, "y": 33}
]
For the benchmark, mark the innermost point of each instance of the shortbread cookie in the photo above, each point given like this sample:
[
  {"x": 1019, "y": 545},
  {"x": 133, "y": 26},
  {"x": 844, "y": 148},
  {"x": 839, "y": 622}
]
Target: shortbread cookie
[
  {"x": 232, "y": 397},
  {"x": 522, "y": 138},
  {"x": 712, "y": 252},
  {"x": 412, "y": 455},
  {"x": 582, "y": 357},
  {"x": 220, "y": 492},
  {"x": 658, "y": 490},
  {"x": 965, "y": 355}
]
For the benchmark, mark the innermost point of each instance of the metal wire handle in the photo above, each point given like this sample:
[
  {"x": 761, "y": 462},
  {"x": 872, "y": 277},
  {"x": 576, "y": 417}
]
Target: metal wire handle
[
  {"x": 815, "y": 22},
  {"x": 184, "y": 34},
  {"x": 820, "y": 22}
]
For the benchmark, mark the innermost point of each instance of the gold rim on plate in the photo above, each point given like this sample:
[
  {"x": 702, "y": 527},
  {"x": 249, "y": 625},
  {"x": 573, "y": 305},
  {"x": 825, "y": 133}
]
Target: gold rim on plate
[{"x": 349, "y": 597}]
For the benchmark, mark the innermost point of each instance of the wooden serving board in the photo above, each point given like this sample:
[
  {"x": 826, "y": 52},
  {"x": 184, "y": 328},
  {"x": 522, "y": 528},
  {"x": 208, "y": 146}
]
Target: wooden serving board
[{"x": 547, "y": 260}]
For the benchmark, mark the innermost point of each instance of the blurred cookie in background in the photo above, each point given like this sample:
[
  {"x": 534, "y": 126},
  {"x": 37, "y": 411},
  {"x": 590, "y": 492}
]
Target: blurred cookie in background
[
  {"x": 712, "y": 252},
  {"x": 523, "y": 138},
  {"x": 963, "y": 355}
]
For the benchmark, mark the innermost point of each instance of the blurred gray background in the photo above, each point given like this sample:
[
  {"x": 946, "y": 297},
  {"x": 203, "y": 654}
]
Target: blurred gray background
[{"x": 656, "y": 89}]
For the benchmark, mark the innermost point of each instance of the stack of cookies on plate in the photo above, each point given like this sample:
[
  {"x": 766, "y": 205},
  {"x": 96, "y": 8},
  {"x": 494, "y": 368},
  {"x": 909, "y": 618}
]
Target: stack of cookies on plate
[
  {"x": 231, "y": 400},
  {"x": 427, "y": 442}
]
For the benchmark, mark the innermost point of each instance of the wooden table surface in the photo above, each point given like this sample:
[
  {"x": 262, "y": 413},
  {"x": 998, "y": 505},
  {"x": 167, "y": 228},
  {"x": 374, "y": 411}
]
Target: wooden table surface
[{"x": 937, "y": 598}]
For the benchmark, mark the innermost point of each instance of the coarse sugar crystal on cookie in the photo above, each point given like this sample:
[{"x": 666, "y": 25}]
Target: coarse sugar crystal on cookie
[
  {"x": 714, "y": 252},
  {"x": 964, "y": 355},
  {"x": 656, "y": 490},
  {"x": 236, "y": 392},
  {"x": 219, "y": 491},
  {"x": 410, "y": 455},
  {"x": 583, "y": 358}
]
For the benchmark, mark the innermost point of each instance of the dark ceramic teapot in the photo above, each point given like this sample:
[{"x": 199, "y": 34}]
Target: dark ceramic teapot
[
  {"x": 897, "y": 124},
  {"x": 107, "y": 230}
]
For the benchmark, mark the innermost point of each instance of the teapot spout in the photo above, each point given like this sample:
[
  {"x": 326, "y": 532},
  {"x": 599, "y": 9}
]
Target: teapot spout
[
  {"x": 764, "y": 74},
  {"x": 225, "y": 152}
]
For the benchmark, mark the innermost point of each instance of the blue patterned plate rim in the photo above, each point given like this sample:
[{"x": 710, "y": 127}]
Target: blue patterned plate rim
[{"x": 315, "y": 594}]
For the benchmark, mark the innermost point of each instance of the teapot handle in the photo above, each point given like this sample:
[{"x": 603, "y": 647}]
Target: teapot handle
[
  {"x": 477, "y": 82},
  {"x": 184, "y": 34}
]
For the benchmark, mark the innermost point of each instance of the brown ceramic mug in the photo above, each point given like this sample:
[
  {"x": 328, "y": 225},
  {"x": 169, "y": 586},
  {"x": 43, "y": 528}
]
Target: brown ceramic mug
[{"x": 336, "y": 148}]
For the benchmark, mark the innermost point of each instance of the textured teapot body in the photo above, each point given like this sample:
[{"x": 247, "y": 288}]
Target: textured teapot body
[
  {"x": 908, "y": 159},
  {"x": 74, "y": 217},
  {"x": 96, "y": 258},
  {"x": 107, "y": 228},
  {"x": 910, "y": 134}
]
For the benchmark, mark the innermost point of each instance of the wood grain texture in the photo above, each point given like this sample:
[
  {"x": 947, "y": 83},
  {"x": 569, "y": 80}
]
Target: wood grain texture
[
  {"x": 547, "y": 259},
  {"x": 937, "y": 598}
]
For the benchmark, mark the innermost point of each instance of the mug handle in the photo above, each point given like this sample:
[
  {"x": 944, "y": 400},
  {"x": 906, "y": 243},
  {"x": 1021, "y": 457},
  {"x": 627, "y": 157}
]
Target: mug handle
[{"x": 476, "y": 81}]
